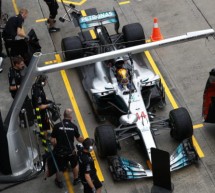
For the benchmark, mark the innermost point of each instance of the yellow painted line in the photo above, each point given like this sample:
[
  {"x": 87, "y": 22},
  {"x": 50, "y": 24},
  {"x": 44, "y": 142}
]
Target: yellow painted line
[
  {"x": 74, "y": 103},
  {"x": 124, "y": 2},
  {"x": 15, "y": 7},
  {"x": 50, "y": 62},
  {"x": 156, "y": 70},
  {"x": 99, "y": 173},
  {"x": 72, "y": 2},
  {"x": 93, "y": 34},
  {"x": 198, "y": 126},
  {"x": 170, "y": 97},
  {"x": 68, "y": 182},
  {"x": 78, "y": 115},
  {"x": 16, "y": 10},
  {"x": 198, "y": 149},
  {"x": 41, "y": 20},
  {"x": 83, "y": 13}
]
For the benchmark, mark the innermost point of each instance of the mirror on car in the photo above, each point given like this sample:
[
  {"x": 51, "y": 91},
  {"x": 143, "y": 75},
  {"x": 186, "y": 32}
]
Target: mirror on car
[{"x": 109, "y": 86}]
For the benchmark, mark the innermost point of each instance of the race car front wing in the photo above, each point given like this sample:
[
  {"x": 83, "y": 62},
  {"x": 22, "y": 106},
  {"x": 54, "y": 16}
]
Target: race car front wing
[
  {"x": 124, "y": 169},
  {"x": 184, "y": 155}
]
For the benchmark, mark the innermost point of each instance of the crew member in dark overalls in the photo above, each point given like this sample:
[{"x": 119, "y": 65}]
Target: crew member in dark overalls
[
  {"x": 40, "y": 103},
  {"x": 87, "y": 172},
  {"x": 53, "y": 7},
  {"x": 62, "y": 138},
  {"x": 15, "y": 75},
  {"x": 14, "y": 30}
]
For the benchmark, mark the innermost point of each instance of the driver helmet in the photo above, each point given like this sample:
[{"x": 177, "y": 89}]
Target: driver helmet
[
  {"x": 119, "y": 62},
  {"x": 41, "y": 80},
  {"x": 123, "y": 76}
]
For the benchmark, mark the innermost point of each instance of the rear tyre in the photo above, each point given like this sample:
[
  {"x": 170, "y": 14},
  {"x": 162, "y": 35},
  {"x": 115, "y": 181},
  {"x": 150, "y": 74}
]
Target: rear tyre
[
  {"x": 181, "y": 124},
  {"x": 72, "y": 48},
  {"x": 133, "y": 34},
  {"x": 105, "y": 141}
]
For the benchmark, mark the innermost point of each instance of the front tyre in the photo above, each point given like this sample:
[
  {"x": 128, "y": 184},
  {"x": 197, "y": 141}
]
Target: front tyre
[
  {"x": 105, "y": 141},
  {"x": 181, "y": 124}
]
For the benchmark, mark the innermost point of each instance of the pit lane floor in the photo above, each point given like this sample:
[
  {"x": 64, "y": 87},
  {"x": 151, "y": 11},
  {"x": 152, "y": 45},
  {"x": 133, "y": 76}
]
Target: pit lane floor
[{"x": 184, "y": 67}]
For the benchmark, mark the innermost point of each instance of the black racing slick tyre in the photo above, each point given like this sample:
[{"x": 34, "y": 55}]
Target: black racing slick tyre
[
  {"x": 133, "y": 34},
  {"x": 72, "y": 48},
  {"x": 105, "y": 141},
  {"x": 181, "y": 124}
]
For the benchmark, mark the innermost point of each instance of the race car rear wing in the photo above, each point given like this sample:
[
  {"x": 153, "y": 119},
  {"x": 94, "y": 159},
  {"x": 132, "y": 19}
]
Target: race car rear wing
[{"x": 102, "y": 18}]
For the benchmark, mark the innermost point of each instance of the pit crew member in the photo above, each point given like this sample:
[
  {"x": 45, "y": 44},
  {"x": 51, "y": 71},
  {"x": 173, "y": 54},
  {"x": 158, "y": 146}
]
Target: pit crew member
[
  {"x": 62, "y": 138},
  {"x": 88, "y": 173}
]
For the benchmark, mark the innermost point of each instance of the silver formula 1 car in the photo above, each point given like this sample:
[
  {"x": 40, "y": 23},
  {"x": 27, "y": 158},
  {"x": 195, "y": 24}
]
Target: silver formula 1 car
[{"x": 126, "y": 91}]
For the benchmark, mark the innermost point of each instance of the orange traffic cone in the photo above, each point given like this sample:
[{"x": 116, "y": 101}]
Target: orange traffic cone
[{"x": 156, "y": 34}]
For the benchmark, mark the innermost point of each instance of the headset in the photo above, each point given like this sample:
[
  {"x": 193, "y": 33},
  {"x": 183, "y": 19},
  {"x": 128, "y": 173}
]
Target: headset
[{"x": 88, "y": 144}]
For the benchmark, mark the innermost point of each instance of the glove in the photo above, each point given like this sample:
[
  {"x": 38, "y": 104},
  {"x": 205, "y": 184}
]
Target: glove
[
  {"x": 94, "y": 190},
  {"x": 50, "y": 106}
]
